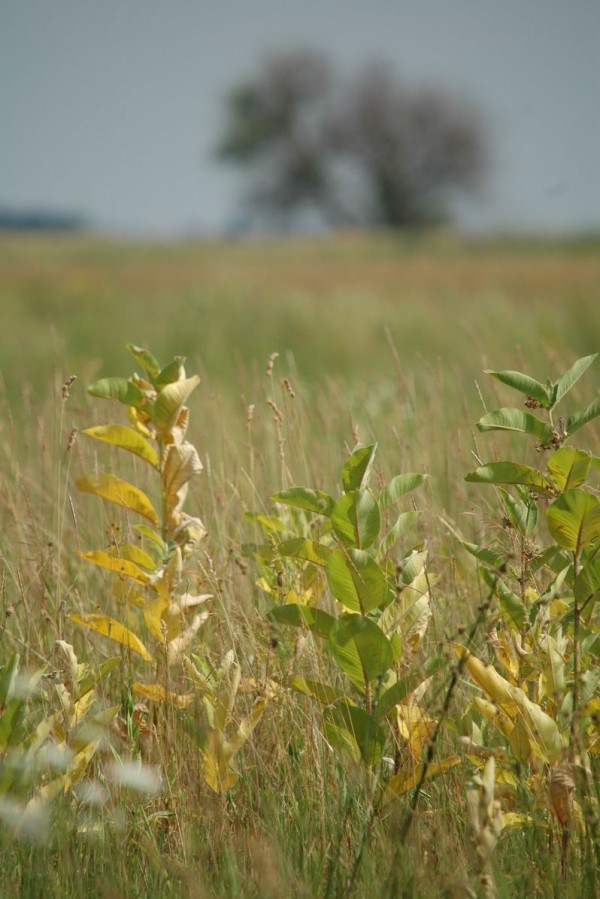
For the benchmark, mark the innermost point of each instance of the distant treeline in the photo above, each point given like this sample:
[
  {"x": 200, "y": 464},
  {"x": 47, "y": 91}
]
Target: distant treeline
[{"x": 40, "y": 220}]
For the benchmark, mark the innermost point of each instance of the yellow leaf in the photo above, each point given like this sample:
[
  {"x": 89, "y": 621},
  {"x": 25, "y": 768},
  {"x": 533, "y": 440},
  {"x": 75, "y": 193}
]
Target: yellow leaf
[
  {"x": 177, "y": 645},
  {"x": 120, "y": 492},
  {"x": 136, "y": 555},
  {"x": 534, "y": 731},
  {"x": 158, "y": 693},
  {"x": 127, "y": 439},
  {"x": 489, "y": 680},
  {"x": 215, "y": 763},
  {"x": 122, "y": 567},
  {"x": 153, "y": 617},
  {"x": 112, "y": 629},
  {"x": 404, "y": 781},
  {"x": 520, "y": 819},
  {"x": 181, "y": 464},
  {"x": 415, "y": 726},
  {"x": 170, "y": 400},
  {"x": 78, "y": 765},
  {"x": 248, "y": 725}
]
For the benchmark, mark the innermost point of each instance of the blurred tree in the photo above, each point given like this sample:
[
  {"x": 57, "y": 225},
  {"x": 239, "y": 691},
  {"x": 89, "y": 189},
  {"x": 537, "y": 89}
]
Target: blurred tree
[{"x": 373, "y": 152}]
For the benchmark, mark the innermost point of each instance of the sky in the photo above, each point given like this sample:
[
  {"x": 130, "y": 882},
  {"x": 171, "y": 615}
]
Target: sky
[{"x": 112, "y": 108}]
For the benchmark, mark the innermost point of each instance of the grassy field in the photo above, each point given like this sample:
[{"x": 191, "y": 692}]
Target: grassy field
[{"x": 378, "y": 339}]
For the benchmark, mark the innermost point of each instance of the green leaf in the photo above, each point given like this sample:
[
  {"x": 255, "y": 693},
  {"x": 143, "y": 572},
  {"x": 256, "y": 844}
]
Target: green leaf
[
  {"x": 360, "y": 648},
  {"x": 516, "y": 420},
  {"x": 522, "y": 515},
  {"x": 574, "y": 519},
  {"x": 261, "y": 552},
  {"x": 399, "y": 487},
  {"x": 317, "y": 621},
  {"x": 170, "y": 400},
  {"x": 268, "y": 523},
  {"x": 406, "y": 685},
  {"x": 145, "y": 358},
  {"x": 355, "y": 472},
  {"x": 356, "y": 580},
  {"x": 362, "y": 729},
  {"x": 8, "y": 675},
  {"x": 579, "y": 419},
  {"x": 323, "y": 693},
  {"x": 412, "y": 566},
  {"x": 120, "y": 389},
  {"x": 511, "y": 606},
  {"x": 305, "y": 498},
  {"x": 487, "y": 556},
  {"x": 127, "y": 439},
  {"x": 355, "y": 518},
  {"x": 119, "y": 492},
  {"x": 151, "y": 535},
  {"x": 587, "y": 582},
  {"x": 306, "y": 550},
  {"x": 511, "y": 473},
  {"x": 404, "y": 521},
  {"x": 174, "y": 371},
  {"x": 570, "y": 378},
  {"x": 524, "y": 384},
  {"x": 568, "y": 467}
]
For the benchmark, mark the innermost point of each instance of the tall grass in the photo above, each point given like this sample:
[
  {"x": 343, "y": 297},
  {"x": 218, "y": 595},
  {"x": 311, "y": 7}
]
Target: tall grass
[{"x": 377, "y": 339}]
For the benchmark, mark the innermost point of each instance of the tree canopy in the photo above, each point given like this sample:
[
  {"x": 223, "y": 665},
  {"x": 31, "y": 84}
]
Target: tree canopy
[{"x": 369, "y": 151}]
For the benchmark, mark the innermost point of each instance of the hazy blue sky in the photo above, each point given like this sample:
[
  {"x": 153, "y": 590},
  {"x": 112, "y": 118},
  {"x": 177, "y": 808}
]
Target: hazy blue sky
[{"x": 112, "y": 107}]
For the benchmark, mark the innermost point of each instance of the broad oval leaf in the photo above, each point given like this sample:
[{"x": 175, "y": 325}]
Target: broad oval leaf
[
  {"x": 305, "y": 498},
  {"x": 361, "y": 728},
  {"x": 568, "y": 467},
  {"x": 145, "y": 358},
  {"x": 497, "y": 687},
  {"x": 574, "y": 519},
  {"x": 355, "y": 518},
  {"x": 121, "y": 389},
  {"x": 399, "y": 487},
  {"x": 522, "y": 515},
  {"x": 524, "y": 384},
  {"x": 511, "y": 473},
  {"x": 570, "y": 378},
  {"x": 323, "y": 693},
  {"x": 173, "y": 371},
  {"x": 485, "y": 555},
  {"x": 114, "y": 630},
  {"x": 356, "y": 580},
  {"x": 402, "y": 524},
  {"x": 407, "y": 685},
  {"x": 516, "y": 420},
  {"x": 402, "y": 783},
  {"x": 305, "y": 549},
  {"x": 532, "y": 724},
  {"x": 170, "y": 400},
  {"x": 158, "y": 693},
  {"x": 360, "y": 648},
  {"x": 587, "y": 582},
  {"x": 355, "y": 472},
  {"x": 317, "y": 621},
  {"x": 113, "y": 562},
  {"x": 579, "y": 419},
  {"x": 119, "y": 492},
  {"x": 127, "y": 439}
]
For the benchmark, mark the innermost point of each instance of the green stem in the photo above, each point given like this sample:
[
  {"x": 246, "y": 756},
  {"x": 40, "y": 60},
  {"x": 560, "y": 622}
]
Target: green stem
[{"x": 576, "y": 663}]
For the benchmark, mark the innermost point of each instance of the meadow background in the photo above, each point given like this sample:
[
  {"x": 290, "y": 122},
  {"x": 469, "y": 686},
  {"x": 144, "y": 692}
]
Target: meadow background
[{"x": 380, "y": 337}]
